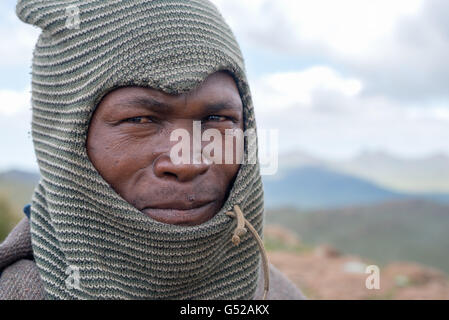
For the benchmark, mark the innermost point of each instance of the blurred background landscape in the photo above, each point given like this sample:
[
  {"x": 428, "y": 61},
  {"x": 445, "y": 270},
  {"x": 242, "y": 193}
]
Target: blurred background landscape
[
  {"x": 357, "y": 90},
  {"x": 328, "y": 220}
]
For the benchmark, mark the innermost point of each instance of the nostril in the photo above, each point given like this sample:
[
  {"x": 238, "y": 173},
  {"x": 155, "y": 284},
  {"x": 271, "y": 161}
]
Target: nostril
[{"x": 170, "y": 174}]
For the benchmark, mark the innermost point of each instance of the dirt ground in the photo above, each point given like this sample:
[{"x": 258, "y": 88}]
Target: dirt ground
[{"x": 324, "y": 273}]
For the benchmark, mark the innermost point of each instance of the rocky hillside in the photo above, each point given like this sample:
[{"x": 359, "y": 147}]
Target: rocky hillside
[
  {"x": 401, "y": 230},
  {"x": 323, "y": 272}
]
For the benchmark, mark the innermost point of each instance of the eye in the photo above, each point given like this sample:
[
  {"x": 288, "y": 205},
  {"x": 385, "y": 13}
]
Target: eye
[
  {"x": 139, "y": 120},
  {"x": 216, "y": 118}
]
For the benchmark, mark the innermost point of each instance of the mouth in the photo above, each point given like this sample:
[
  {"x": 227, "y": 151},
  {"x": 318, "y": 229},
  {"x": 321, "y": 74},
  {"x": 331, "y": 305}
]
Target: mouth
[{"x": 183, "y": 214}]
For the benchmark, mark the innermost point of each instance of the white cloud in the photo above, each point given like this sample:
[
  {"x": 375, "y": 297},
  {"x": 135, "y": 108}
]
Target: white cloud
[
  {"x": 346, "y": 26},
  {"x": 282, "y": 90},
  {"x": 18, "y": 40},
  {"x": 15, "y": 131},
  {"x": 393, "y": 95},
  {"x": 349, "y": 27},
  {"x": 337, "y": 120},
  {"x": 397, "y": 48},
  {"x": 14, "y": 102},
  {"x": 440, "y": 113}
]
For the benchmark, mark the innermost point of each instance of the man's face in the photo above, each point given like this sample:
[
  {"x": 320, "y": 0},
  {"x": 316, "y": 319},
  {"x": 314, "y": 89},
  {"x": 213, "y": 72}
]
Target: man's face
[{"x": 129, "y": 144}]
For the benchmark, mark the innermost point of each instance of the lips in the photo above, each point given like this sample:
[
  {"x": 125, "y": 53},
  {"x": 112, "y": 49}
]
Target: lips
[
  {"x": 179, "y": 205},
  {"x": 181, "y": 213}
]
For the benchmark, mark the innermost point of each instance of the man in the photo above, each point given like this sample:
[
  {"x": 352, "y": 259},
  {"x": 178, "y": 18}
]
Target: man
[{"x": 114, "y": 217}]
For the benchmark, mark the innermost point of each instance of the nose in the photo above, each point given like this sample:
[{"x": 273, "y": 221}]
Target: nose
[{"x": 163, "y": 167}]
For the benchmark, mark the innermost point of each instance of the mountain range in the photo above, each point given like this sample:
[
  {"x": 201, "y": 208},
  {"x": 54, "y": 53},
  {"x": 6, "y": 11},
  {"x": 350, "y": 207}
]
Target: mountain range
[
  {"x": 320, "y": 187},
  {"x": 410, "y": 175}
]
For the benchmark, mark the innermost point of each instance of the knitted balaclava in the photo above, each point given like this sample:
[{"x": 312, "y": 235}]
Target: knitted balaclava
[{"x": 80, "y": 226}]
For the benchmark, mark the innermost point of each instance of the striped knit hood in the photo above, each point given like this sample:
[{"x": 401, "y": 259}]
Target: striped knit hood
[{"x": 79, "y": 224}]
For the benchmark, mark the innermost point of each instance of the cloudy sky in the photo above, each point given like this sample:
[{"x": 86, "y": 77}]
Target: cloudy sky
[{"x": 334, "y": 77}]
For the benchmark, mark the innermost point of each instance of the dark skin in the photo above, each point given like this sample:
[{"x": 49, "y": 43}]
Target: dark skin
[{"x": 129, "y": 145}]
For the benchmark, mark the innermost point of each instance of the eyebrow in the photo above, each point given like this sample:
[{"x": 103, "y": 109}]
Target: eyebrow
[
  {"x": 146, "y": 102},
  {"x": 158, "y": 106},
  {"x": 222, "y": 105}
]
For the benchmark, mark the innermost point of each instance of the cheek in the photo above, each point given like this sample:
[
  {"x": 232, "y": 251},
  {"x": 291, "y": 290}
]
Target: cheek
[
  {"x": 225, "y": 174},
  {"x": 117, "y": 156}
]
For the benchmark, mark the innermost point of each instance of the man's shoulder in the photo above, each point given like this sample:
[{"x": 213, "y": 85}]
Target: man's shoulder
[
  {"x": 281, "y": 288},
  {"x": 19, "y": 276},
  {"x": 17, "y": 244},
  {"x": 21, "y": 281}
]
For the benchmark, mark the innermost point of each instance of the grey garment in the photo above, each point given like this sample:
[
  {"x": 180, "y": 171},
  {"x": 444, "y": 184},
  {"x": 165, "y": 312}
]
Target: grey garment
[
  {"x": 19, "y": 276},
  {"x": 21, "y": 281},
  {"x": 281, "y": 288}
]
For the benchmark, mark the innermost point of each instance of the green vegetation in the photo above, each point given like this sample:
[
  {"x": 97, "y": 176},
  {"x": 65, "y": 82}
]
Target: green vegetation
[
  {"x": 16, "y": 188},
  {"x": 393, "y": 231},
  {"x": 274, "y": 244},
  {"x": 8, "y": 219}
]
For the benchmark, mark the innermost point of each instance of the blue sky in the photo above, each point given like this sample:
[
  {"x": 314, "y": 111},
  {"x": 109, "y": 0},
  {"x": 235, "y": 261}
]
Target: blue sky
[{"x": 334, "y": 77}]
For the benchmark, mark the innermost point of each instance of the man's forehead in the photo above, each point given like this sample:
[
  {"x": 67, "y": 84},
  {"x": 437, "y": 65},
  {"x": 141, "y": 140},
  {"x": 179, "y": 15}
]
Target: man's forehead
[{"x": 218, "y": 91}]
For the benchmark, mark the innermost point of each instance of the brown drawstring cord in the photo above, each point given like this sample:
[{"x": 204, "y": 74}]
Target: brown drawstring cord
[{"x": 239, "y": 231}]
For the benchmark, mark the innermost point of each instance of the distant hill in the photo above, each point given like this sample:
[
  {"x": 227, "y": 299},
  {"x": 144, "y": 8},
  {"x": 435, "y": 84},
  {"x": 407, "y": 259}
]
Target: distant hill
[
  {"x": 16, "y": 189},
  {"x": 24, "y": 177},
  {"x": 313, "y": 187},
  {"x": 409, "y": 175},
  {"x": 425, "y": 175},
  {"x": 18, "y": 186},
  {"x": 318, "y": 187},
  {"x": 409, "y": 230}
]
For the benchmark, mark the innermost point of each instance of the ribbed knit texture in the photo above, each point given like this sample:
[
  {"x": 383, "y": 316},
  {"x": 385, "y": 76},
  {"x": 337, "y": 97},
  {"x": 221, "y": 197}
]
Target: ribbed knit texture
[{"x": 77, "y": 219}]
